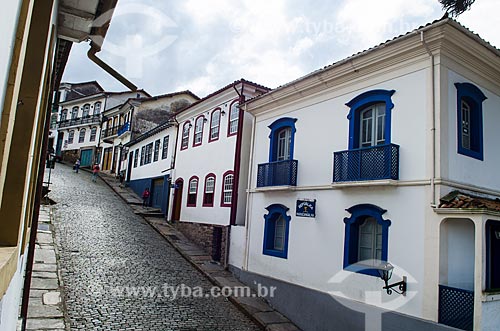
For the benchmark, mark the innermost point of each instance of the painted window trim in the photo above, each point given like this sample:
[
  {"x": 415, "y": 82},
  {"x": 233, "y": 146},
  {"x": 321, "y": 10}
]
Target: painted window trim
[
  {"x": 196, "y": 194},
  {"x": 470, "y": 92},
  {"x": 222, "y": 204},
  {"x": 275, "y": 127},
  {"x": 156, "y": 151},
  {"x": 136, "y": 157},
  {"x": 164, "y": 147},
  {"x": 182, "y": 135},
  {"x": 205, "y": 204},
  {"x": 94, "y": 130},
  {"x": 202, "y": 118},
  {"x": 71, "y": 136},
  {"x": 80, "y": 140},
  {"x": 268, "y": 218},
  {"x": 100, "y": 105},
  {"x": 351, "y": 236},
  {"x": 489, "y": 256},
  {"x": 362, "y": 101},
  {"x": 210, "y": 139},
  {"x": 229, "y": 119}
]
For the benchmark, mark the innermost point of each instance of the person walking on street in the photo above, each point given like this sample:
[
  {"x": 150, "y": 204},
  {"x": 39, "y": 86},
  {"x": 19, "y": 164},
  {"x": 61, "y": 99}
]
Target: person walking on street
[
  {"x": 95, "y": 172},
  {"x": 145, "y": 197},
  {"x": 77, "y": 165}
]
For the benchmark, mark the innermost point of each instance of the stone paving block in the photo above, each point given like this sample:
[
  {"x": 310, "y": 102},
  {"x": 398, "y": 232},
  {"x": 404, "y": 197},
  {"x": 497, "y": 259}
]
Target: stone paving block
[
  {"x": 282, "y": 327},
  {"x": 228, "y": 281},
  {"x": 44, "y": 311},
  {"x": 45, "y": 267},
  {"x": 45, "y": 256},
  {"x": 51, "y": 298},
  {"x": 253, "y": 305},
  {"x": 44, "y": 238},
  {"x": 270, "y": 317},
  {"x": 44, "y": 274},
  {"x": 34, "y": 293},
  {"x": 40, "y": 324},
  {"x": 44, "y": 284}
]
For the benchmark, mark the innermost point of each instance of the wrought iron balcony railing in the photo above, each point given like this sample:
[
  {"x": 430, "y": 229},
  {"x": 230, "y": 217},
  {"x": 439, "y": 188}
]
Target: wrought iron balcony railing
[
  {"x": 369, "y": 163},
  {"x": 124, "y": 128},
  {"x": 91, "y": 119},
  {"x": 278, "y": 173},
  {"x": 109, "y": 132}
]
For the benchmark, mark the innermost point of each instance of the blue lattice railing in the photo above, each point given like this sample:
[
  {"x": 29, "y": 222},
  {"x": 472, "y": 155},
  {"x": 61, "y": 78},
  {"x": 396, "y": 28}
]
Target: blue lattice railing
[
  {"x": 456, "y": 307},
  {"x": 124, "y": 128},
  {"x": 277, "y": 173},
  {"x": 370, "y": 163}
]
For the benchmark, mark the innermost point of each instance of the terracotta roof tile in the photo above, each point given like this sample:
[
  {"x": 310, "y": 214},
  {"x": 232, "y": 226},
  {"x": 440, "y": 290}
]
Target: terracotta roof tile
[{"x": 457, "y": 199}]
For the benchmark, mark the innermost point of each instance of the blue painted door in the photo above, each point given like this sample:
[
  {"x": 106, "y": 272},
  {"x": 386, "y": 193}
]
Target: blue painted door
[
  {"x": 157, "y": 195},
  {"x": 86, "y": 158}
]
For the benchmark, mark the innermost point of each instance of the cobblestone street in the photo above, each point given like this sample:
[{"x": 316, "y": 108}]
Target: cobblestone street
[{"x": 106, "y": 250}]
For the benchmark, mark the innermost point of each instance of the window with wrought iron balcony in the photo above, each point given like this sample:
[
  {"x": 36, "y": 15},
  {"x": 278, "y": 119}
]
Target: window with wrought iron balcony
[
  {"x": 281, "y": 170},
  {"x": 371, "y": 155}
]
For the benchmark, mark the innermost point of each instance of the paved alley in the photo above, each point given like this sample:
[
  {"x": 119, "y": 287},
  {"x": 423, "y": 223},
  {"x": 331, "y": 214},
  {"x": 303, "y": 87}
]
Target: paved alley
[{"x": 119, "y": 273}]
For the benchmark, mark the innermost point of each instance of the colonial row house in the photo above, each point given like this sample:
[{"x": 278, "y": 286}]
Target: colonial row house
[
  {"x": 133, "y": 117},
  {"x": 80, "y": 119},
  {"x": 202, "y": 152},
  {"x": 374, "y": 188}
]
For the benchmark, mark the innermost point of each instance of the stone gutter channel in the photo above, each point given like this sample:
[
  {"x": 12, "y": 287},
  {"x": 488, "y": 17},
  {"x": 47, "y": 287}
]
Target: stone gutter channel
[{"x": 254, "y": 307}]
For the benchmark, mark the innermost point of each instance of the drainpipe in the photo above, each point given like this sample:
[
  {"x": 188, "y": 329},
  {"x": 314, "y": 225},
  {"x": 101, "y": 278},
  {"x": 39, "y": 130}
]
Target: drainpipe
[
  {"x": 249, "y": 182},
  {"x": 172, "y": 167},
  {"x": 433, "y": 127},
  {"x": 94, "y": 48}
]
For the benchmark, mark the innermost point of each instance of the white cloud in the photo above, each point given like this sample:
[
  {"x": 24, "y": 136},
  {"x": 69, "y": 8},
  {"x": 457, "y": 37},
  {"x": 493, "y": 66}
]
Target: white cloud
[{"x": 482, "y": 18}]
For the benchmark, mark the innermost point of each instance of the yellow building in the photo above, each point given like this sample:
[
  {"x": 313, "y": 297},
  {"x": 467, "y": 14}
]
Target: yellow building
[{"x": 36, "y": 41}]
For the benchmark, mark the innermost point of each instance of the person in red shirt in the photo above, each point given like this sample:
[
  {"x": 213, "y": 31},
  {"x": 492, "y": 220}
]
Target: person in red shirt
[
  {"x": 95, "y": 172},
  {"x": 145, "y": 197}
]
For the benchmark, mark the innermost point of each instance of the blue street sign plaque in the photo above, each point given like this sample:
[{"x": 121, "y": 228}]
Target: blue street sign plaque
[{"x": 306, "y": 208}]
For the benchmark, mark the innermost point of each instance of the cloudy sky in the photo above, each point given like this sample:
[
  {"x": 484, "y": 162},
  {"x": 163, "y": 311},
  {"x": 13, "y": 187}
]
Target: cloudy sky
[{"x": 166, "y": 46}]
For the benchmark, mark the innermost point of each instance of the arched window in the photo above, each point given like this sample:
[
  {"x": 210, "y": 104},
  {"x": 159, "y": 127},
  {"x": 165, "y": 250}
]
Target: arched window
[
  {"x": 234, "y": 112},
  {"x": 86, "y": 110},
  {"x": 227, "y": 189},
  {"x": 74, "y": 113},
  {"x": 198, "y": 131},
  {"x": 282, "y": 139},
  {"x": 192, "y": 191},
  {"x": 71, "y": 136},
  {"x": 370, "y": 119},
  {"x": 366, "y": 239},
  {"x": 214, "y": 125},
  {"x": 81, "y": 137},
  {"x": 209, "y": 192},
  {"x": 64, "y": 115},
  {"x": 97, "y": 108},
  {"x": 185, "y": 135},
  {"x": 93, "y": 132},
  {"x": 470, "y": 120},
  {"x": 276, "y": 229}
]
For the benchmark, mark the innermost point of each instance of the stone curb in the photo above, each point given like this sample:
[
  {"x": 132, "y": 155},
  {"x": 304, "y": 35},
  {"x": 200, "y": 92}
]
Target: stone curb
[{"x": 255, "y": 308}]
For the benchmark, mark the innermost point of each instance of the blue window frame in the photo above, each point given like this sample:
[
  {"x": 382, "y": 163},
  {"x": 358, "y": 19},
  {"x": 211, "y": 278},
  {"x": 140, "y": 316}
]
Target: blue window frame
[
  {"x": 470, "y": 120},
  {"x": 370, "y": 118},
  {"x": 282, "y": 138},
  {"x": 492, "y": 253},
  {"x": 276, "y": 229},
  {"x": 366, "y": 239}
]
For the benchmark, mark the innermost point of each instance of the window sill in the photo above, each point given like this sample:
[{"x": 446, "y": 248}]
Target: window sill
[
  {"x": 8, "y": 265},
  {"x": 491, "y": 296},
  {"x": 364, "y": 183},
  {"x": 275, "y": 188},
  {"x": 275, "y": 253}
]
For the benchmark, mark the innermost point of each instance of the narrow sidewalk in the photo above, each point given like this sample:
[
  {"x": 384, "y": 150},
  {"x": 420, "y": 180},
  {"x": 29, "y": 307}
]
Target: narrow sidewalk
[
  {"x": 256, "y": 308},
  {"x": 45, "y": 308}
]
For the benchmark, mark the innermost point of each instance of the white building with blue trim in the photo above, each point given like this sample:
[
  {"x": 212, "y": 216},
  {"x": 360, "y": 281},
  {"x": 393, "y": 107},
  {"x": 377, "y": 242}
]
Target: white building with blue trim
[{"x": 358, "y": 165}]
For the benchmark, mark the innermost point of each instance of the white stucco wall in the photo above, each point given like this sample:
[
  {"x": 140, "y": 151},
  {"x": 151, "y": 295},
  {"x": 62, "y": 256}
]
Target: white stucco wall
[
  {"x": 11, "y": 300},
  {"x": 316, "y": 246},
  {"x": 463, "y": 168},
  {"x": 155, "y": 168},
  {"x": 215, "y": 157}
]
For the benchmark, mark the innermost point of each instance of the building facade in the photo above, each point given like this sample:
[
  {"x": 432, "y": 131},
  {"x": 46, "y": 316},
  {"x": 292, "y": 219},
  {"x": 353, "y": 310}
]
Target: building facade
[
  {"x": 356, "y": 165},
  {"x": 36, "y": 40},
  {"x": 210, "y": 173}
]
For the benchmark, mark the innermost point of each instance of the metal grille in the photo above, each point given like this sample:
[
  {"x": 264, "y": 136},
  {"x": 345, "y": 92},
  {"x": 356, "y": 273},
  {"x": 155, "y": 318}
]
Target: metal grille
[
  {"x": 124, "y": 128},
  {"x": 371, "y": 163},
  {"x": 90, "y": 119},
  {"x": 277, "y": 173},
  {"x": 456, "y": 307}
]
